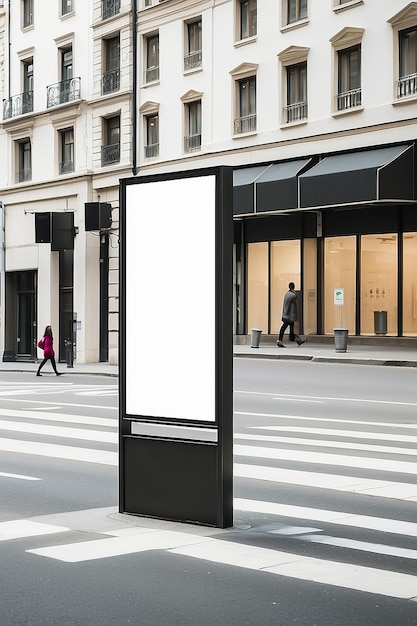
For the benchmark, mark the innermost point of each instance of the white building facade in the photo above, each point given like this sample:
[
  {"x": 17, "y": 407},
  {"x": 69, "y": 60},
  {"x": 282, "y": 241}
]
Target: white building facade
[{"x": 312, "y": 102}]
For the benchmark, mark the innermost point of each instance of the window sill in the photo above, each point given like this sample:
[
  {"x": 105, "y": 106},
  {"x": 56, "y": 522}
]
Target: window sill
[
  {"x": 347, "y": 111},
  {"x": 151, "y": 83},
  {"x": 245, "y": 42},
  {"x": 286, "y": 125},
  {"x": 65, "y": 16},
  {"x": 294, "y": 25},
  {"x": 193, "y": 70},
  {"x": 347, "y": 5},
  {"x": 248, "y": 134},
  {"x": 405, "y": 100}
]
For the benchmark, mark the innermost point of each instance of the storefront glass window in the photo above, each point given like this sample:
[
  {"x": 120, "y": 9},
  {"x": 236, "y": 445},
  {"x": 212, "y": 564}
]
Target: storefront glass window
[
  {"x": 257, "y": 270},
  {"x": 285, "y": 267},
  {"x": 378, "y": 281},
  {"x": 339, "y": 273},
  {"x": 410, "y": 284}
]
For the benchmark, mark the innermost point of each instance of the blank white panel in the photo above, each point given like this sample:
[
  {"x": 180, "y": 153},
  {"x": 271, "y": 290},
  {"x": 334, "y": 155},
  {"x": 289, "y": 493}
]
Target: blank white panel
[{"x": 170, "y": 299}]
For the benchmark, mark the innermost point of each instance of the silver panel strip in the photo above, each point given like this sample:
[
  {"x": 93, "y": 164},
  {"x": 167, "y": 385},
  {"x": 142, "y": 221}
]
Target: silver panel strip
[{"x": 174, "y": 432}]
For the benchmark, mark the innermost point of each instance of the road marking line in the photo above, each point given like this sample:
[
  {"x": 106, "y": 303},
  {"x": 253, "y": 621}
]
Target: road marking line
[
  {"x": 337, "y": 482},
  {"x": 60, "y": 431},
  {"x": 351, "y": 434},
  {"x": 342, "y": 460},
  {"x": 18, "y": 529},
  {"x": 285, "y": 396},
  {"x": 326, "y": 419},
  {"x": 73, "y": 404},
  {"x": 362, "y": 546},
  {"x": 19, "y": 476},
  {"x": 70, "y": 453},
  {"x": 61, "y": 417},
  {"x": 318, "y": 443},
  {"x": 397, "y": 527}
]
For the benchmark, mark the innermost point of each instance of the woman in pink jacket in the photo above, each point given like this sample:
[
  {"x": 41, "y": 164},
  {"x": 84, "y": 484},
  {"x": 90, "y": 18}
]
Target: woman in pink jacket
[{"x": 47, "y": 345}]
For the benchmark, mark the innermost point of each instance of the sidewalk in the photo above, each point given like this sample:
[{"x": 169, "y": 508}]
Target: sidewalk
[{"x": 389, "y": 355}]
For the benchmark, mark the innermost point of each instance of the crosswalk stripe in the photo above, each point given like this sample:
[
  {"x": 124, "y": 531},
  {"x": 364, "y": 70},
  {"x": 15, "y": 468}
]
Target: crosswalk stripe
[
  {"x": 61, "y": 417},
  {"x": 60, "y": 431},
  {"x": 362, "y": 546},
  {"x": 349, "y": 434},
  {"x": 337, "y": 482},
  {"x": 320, "y": 443},
  {"x": 339, "y": 518},
  {"x": 17, "y": 529},
  {"x": 303, "y": 456},
  {"x": 71, "y": 453},
  {"x": 18, "y": 476}
]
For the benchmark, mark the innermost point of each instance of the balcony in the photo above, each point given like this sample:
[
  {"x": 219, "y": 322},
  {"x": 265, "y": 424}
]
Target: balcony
[
  {"x": 296, "y": 112},
  {"x": 245, "y": 124},
  {"x": 407, "y": 86},
  {"x": 111, "y": 81},
  {"x": 192, "y": 143},
  {"x": 151, "y": 74},
  {"x": 152, "y": 151},
  {"x": 18, "y": 105},
  {"x": 62, "y": 92},
  {"x": 110, "y": 154},
  {"x": 66, "y": 167},
  {"x": 192, "y": 60},
  {"x": 349, "y": 99},
  {"x": 110, "y": 8}
]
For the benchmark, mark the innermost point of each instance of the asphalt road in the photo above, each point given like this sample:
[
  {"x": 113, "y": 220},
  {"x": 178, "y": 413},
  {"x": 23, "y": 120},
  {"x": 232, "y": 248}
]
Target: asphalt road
[{"x": 325, "y": 525}]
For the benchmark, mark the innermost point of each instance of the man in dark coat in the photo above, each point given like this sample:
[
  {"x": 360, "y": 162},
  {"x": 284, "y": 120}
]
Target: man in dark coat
[{"x": 289, "y": 315}]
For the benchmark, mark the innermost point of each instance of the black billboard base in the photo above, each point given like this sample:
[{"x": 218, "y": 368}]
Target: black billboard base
[{"x": 175, "y": 480}]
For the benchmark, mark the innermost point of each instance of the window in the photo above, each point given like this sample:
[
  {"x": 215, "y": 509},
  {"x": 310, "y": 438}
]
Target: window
[
  {"x": 110, "y": 151},
  {"x": 152, "y": 136},
  {"x": 349, "y": 93},
  {"x": 27, "y": 96},
  {"x": 407, "y": 82},
  {"x": 27, "y": 13},
  {"x": 192, "y": 58},
  {"x": 296, "y": 10},
  {"x": 246, "y": 122},
  {"x": 111, "y": 76},
  {"x": 66, "y": 6},
  {"x": 192, "y": 139},
  {"x": 110, "y": 8},
  {"x": 152, "y": 58},
  {"x": 296, "y": 92},
  {"x": 66, "y": 140},
  {"x": 247, "y": 21},
  {"x": 24, "y": 160}
]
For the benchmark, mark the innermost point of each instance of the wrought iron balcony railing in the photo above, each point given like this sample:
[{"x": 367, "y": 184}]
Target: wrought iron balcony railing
[
  {"x": 25, "y": 174},
  {"x": 349, "y": 99},
  {"x": 110, "y": 8},
  {"x": 110, "y": 154},
  {"x": 151, "y": 150},
  {"x": 296, "y": 112},
  {"x": 66, "y": 167},
  {"x": 192, "y": 143},
  {"x": 111, "y": 81},
  {"x": 18, "y": 105},
  {"x": 151, "y": 74},
  {"x": 407, "y": 86},
  {"x": 245, "y": 124},
  {"x": 192, "y": 60},
  {"x": 62, "y": 92}
]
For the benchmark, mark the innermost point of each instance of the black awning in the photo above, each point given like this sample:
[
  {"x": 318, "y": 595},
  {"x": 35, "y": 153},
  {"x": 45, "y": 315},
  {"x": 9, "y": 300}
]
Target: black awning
[
  {"x": 381, "y": 174},
  {"x": 277, "y": 188},
  {"x": 243, "y": 188}
]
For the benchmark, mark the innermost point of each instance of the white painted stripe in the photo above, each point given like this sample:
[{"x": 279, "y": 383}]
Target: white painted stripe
[
  {"x": 337, "y": 482},
  {"x": 18, "y": 476},
  {"x": 61, "y": 417},
  {"x": 17, "y": 529},
  {"x": 322, "y": 443},
  {"x": 71, "y": 404},
  {"x": 59, "y": 452},
  {"x": 118, "y": 546},
  {"x": 60, "y": 431},
  {"x": 363, "y": 546},
  {"x": 303, "y": 456},
  {"x": 285, "y": 396},
  {"x": 350, "y": 434},
  {"x": 359, "y": 578},
  {"x": 397, "y": 527},
  {"x": 333, "y": 420}
]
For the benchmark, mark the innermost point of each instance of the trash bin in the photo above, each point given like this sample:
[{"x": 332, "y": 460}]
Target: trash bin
[
  {"x": 69, "y": 354},
  {"x": 340, "y": 339},
  {"x": 380, "y": 322},
  {"x": 256, "y": 337}
]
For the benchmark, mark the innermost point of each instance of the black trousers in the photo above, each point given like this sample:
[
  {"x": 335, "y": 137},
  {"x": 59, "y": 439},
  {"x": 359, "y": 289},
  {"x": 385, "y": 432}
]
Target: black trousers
[
  {"x": 49, "y": 358},
  {"x": 284, "y": 327}
]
